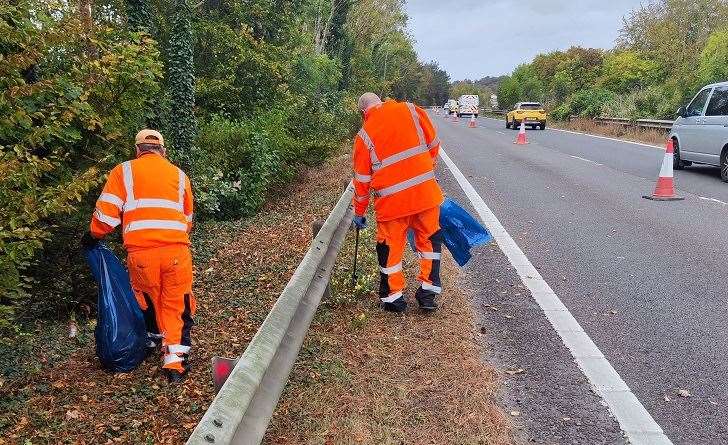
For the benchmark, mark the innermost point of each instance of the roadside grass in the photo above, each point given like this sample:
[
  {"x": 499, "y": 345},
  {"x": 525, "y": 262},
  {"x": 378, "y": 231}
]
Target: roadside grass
[
  {"x": 363, "y": 376},
  {"x": 369, "y": 377},
  {"x": 644, "y": 135}
]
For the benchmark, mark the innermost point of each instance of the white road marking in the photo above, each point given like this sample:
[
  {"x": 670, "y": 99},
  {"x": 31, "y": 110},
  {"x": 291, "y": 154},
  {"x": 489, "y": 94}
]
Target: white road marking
[
  {"x": 713, "y": 200},
  {"x": 609, "y": 139},
  {"x": 596, "y": 136},
  {"x": 634, "y": 420},
  {"x": 585, "y": 160}
]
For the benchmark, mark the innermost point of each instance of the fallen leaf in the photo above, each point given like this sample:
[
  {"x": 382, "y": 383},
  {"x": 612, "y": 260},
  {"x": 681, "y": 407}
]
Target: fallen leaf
[
  {"x": 514, "y": 371},
  {"x": 684, "y": 393},
  {"x": 74, "y": 414},
  {"x": 667, "y": 398},
  {"x": 515, "y": 413}
]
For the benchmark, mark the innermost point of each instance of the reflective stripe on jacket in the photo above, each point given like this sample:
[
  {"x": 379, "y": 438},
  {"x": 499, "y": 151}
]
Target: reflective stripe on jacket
[
  {"x": 394, "y": 157},
  {"x": 150, "y": 198}
]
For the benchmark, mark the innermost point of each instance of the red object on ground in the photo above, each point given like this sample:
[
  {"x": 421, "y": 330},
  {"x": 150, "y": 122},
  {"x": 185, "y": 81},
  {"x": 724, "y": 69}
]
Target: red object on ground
[
  {"x": 521, "y": 139},
  {"x": 665, "y": 187},
  {"x": 472, "y": 123}
]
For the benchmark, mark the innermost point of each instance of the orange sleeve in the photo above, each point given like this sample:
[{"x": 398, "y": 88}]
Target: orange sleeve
[
  {"x": 362, "y": 176},
  {"x": 109, "y": 206},
  {"x": 433, "y": 142},
  {"x": 188, "y": 204}
]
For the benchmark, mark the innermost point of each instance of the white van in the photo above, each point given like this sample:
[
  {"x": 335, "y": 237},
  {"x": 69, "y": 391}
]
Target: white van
[
  {"x": 700, "y": 133},
  {"x": 468, "y": 105},
  {"x": 452, "y": 106}
]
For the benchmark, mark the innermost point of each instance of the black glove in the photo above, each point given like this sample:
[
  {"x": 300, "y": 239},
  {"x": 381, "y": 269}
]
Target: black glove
[{"x": 88, "y": 242}]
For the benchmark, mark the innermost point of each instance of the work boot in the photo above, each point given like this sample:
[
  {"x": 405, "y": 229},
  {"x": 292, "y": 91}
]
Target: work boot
[
  {"x": 427, "y": 301},
  {"x": 174, "y": 376},
  {"x": 154, "y": 343},
  {"x": 397, "y": 306}
]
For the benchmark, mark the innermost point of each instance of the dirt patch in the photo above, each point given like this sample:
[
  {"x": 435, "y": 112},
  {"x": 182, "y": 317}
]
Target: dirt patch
[
  {"x": 363, "y": 376},
  {"x": 627, "y": 133}
]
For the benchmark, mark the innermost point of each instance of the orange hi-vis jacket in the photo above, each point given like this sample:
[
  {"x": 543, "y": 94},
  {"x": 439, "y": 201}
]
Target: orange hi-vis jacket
[
  {"x": 394, "y": 154},
  {"x": 151, "y": 198}
]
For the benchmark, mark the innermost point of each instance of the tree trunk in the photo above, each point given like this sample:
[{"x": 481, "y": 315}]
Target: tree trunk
[{"x": 181, "y": 82}]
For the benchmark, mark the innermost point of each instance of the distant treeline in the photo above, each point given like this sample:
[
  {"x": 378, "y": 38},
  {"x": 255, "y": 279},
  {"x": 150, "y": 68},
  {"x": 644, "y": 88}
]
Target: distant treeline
[{"x": 667, "y": 50}]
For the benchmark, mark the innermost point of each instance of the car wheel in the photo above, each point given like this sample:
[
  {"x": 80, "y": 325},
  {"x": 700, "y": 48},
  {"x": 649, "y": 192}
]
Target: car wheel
[
  {"x": 724, "y": 165},
  {"x": 677, "y": 162},
  {"x": 542, "y": 126},
  {"x": 508, "y": 125}
]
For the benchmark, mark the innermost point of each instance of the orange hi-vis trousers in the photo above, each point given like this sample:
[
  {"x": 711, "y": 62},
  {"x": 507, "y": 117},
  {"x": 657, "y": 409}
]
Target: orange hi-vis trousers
[
  {"x": 391, "y": 241},
  {"x": 161, "y": 278}
]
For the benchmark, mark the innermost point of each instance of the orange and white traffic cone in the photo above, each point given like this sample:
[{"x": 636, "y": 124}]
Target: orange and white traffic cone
[
  {"x": 521, "y": 139},
  {"x": 472, "y": 123},
  {"x": 665, "y": 187}
]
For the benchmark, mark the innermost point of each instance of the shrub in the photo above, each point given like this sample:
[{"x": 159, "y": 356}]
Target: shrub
[
  {"x": 236, "y": 163},
  {"x": 61, "y": 128}
]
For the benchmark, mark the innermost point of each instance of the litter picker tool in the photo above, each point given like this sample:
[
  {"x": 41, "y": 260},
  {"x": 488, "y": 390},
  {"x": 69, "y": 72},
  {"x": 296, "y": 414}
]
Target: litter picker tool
[{"x": 356, "y": 254}]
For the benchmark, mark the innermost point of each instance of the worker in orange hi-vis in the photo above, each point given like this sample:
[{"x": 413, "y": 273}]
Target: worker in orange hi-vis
[
  {"x": 394, "y": 156},
  {"x": 151, "y": 199}
]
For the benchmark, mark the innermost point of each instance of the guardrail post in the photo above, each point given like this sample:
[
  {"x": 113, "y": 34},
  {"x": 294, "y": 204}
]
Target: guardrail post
[{"x": 315, "y": 229}]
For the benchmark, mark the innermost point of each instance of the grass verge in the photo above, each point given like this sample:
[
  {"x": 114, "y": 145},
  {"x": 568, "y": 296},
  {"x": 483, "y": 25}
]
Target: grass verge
[
  {"x": 644, "y": 135},
  {"x": 369, "y": 377}
]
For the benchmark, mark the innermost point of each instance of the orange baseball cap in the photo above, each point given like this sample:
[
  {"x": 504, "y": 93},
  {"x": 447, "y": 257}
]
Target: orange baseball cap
[{"x": 147, "y": 136}]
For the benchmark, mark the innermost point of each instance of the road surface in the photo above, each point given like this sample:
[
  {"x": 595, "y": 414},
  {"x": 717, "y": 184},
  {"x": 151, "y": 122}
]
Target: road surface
[{"x": 645, "y": 280}]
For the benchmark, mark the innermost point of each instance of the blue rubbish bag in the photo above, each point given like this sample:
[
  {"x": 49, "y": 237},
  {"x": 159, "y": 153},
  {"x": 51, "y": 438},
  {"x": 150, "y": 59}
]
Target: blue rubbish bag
[
  {"x": 120, "y": 330},
  {"x": 461, "y": 232}
]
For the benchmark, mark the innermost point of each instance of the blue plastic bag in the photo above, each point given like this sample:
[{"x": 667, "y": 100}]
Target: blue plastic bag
[
  {"x": 461, "y": 232},
  {"x": 120, "y": 330}
]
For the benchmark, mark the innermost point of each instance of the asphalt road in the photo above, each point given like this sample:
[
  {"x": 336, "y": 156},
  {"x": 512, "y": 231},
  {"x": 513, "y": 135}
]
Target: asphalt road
[{"x": 646, "y": 280}]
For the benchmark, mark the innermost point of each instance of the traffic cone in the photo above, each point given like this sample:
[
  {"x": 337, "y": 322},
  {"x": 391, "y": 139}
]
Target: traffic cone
[
  {"x": 521, "y": 139},
  {"x": 472, "y": 123},
  {"x": 665, "y": 187}
]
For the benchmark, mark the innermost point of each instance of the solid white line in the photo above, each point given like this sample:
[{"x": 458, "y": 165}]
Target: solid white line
[
  {"x": 609, "y": 139},
  {"x": 585, "y": 160},
  {"x": 634, "y": 420},
  {"x": 595, "y": 136},
  {"x": 713, "y": 200}
]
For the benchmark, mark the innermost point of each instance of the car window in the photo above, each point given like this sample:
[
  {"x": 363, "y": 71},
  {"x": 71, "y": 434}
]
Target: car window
[
  {"x": 718, "y": 105},
  {"x": 696, "y": 106},
  {"x": 530, "y": 107}
]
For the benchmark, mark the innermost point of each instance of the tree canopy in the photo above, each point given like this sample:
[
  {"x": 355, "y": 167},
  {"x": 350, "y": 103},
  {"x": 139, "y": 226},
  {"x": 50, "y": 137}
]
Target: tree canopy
[{"x": 667, "y": 49}]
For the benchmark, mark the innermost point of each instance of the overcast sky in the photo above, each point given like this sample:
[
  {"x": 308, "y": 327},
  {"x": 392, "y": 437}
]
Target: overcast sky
[{"x": 476, "y": 38}]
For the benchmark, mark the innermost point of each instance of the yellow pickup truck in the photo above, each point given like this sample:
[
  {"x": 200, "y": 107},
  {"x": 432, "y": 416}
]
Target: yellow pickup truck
[{"x": 532, "y": 113}]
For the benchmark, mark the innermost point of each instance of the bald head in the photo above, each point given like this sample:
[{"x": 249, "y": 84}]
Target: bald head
[{"x": 368, "y": 100}]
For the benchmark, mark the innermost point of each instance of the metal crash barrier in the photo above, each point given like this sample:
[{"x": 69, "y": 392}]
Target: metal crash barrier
[{"x": 241, "y": 411}]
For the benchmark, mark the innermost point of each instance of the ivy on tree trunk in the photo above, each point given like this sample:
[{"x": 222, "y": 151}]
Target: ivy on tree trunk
[
  {"x": 138, "y": 16},
  {"x": 181, "y": 82}
]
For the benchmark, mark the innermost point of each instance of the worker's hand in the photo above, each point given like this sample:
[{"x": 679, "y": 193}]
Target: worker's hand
[
  {"x": 360, "y": 222},
  {"x": 88, "y": 242}
]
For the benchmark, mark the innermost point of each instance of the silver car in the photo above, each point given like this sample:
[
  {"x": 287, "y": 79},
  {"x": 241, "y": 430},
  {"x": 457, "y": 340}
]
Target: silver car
[{"x": 700, "y": 133}]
